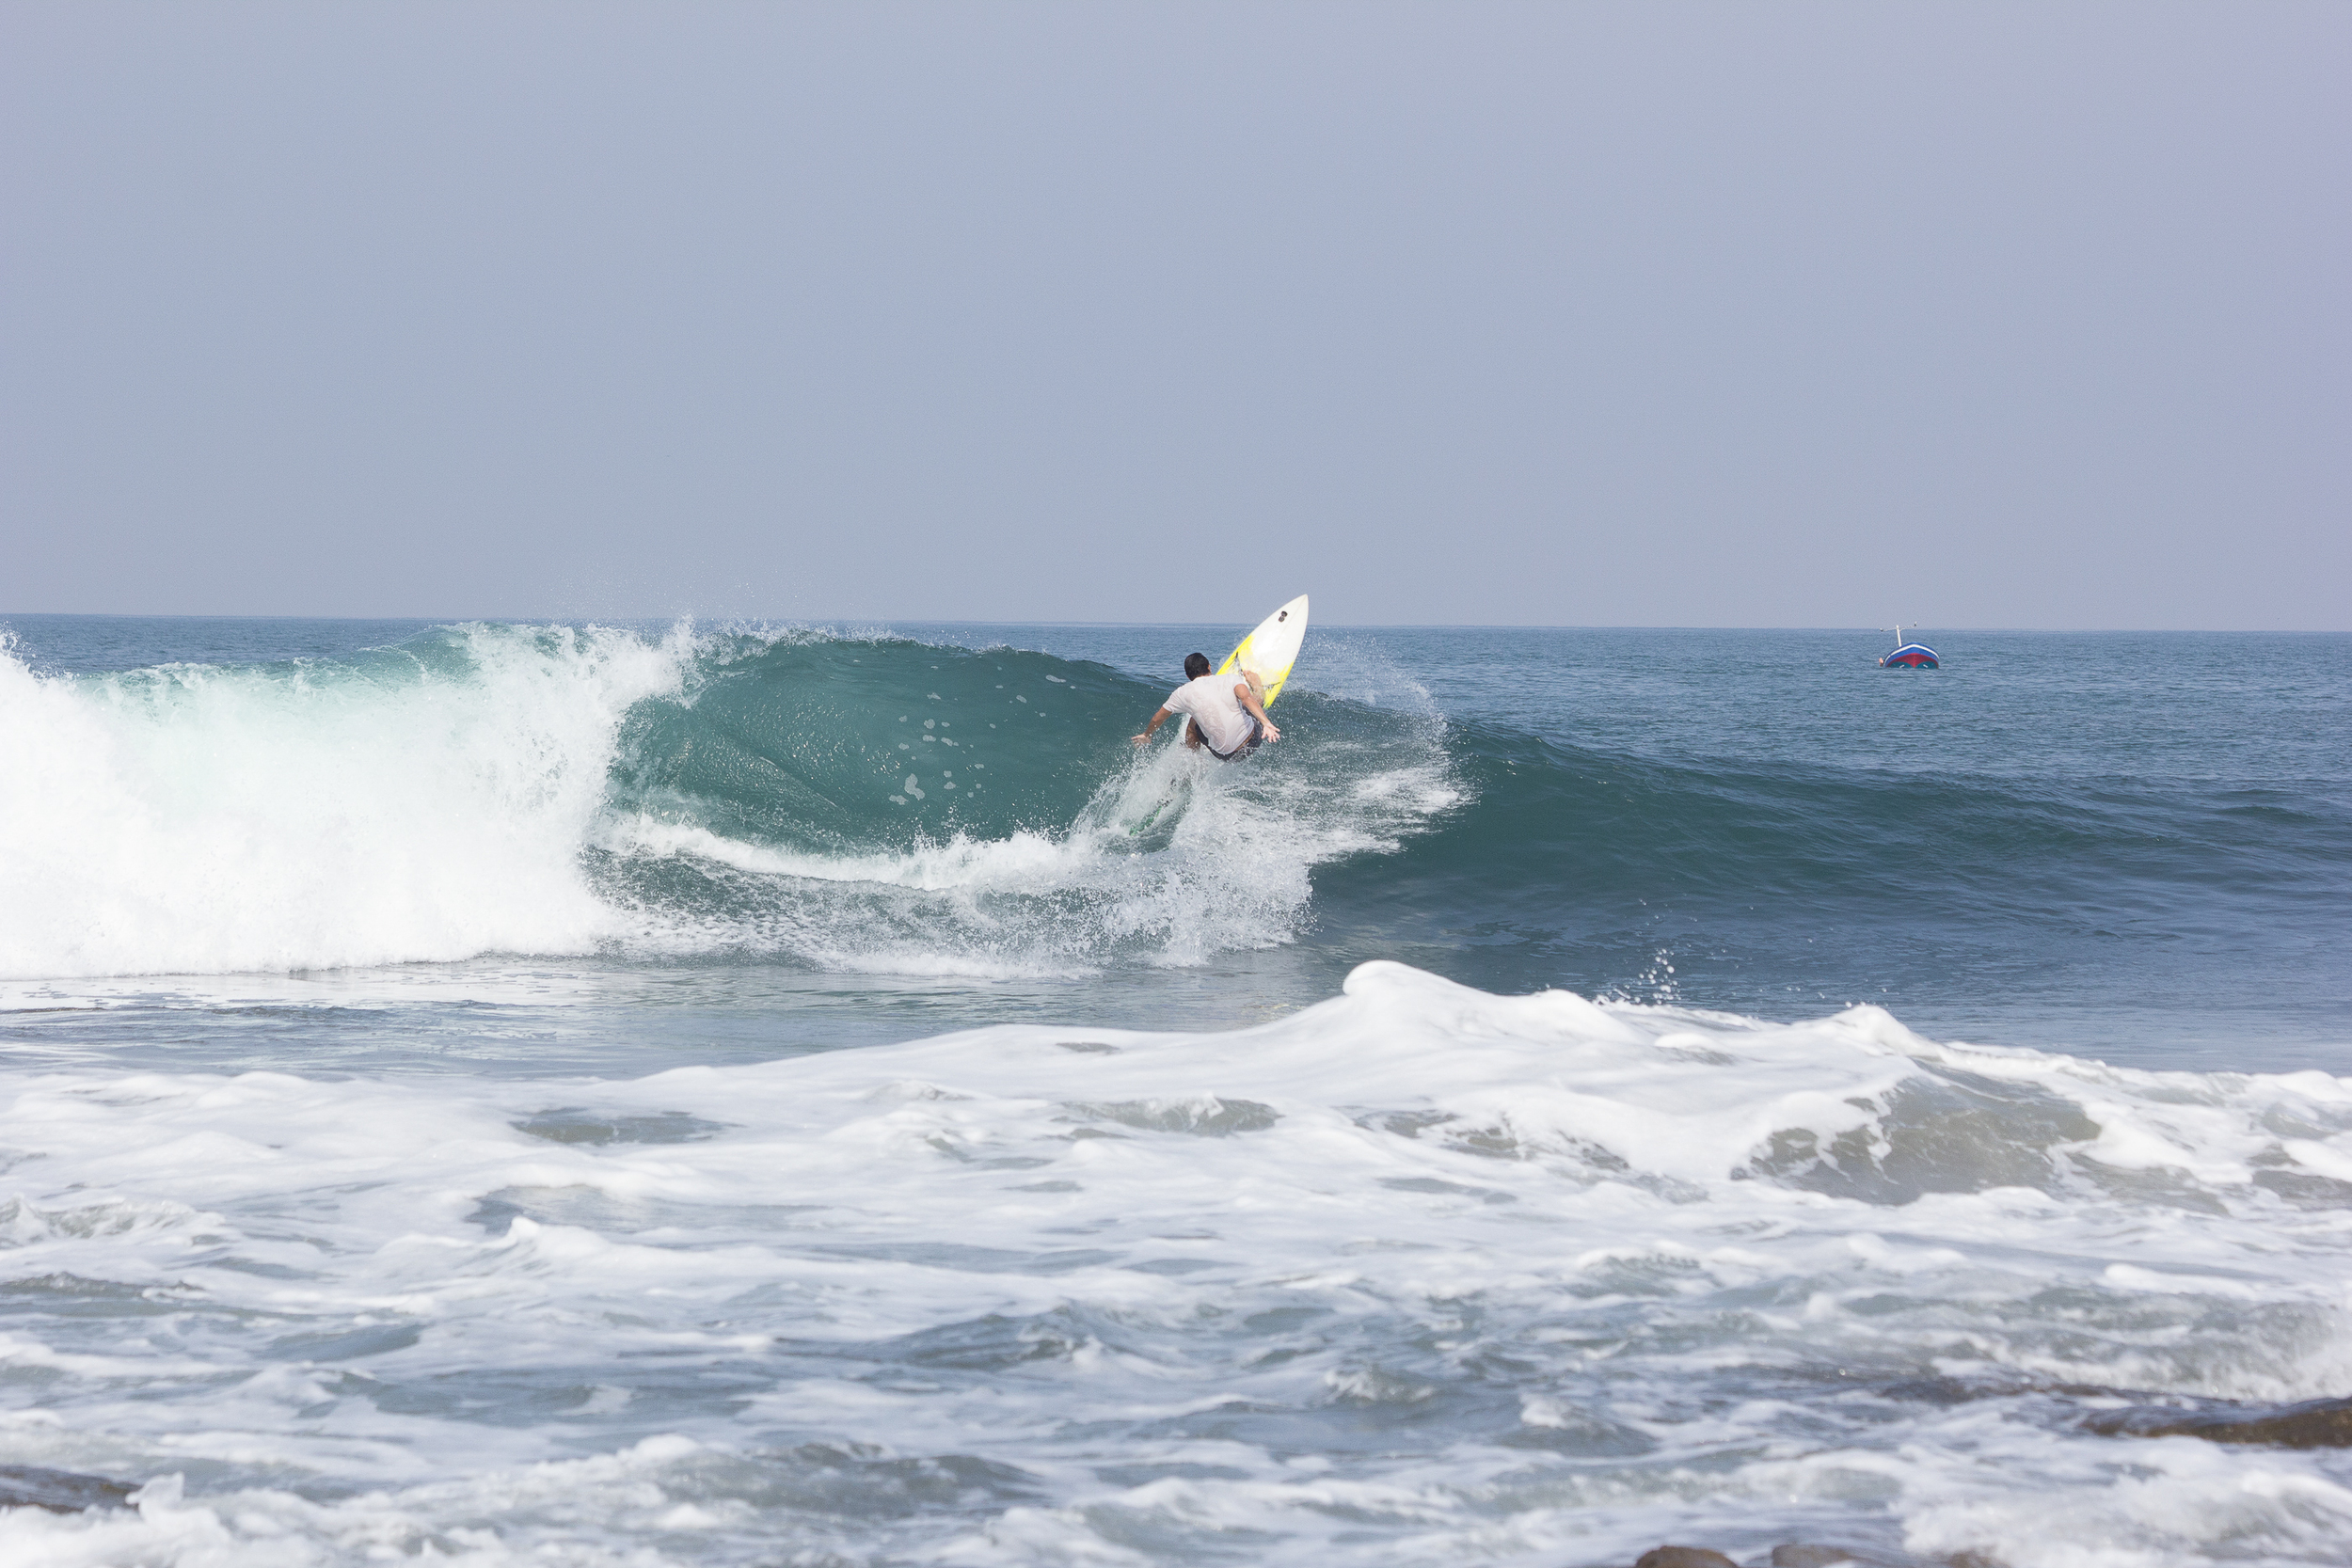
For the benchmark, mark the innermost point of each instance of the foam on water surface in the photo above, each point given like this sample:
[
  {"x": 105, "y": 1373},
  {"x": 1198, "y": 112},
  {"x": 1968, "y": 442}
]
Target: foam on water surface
[{"x": 1419, "y": 1273}]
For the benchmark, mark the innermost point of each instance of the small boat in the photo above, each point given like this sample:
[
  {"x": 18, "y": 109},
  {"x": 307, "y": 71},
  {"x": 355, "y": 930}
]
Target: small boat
[{"x": 1909, "y": 655}]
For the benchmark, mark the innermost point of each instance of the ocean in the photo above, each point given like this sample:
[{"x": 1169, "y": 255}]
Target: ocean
[{"x": 728, "y": 1094}]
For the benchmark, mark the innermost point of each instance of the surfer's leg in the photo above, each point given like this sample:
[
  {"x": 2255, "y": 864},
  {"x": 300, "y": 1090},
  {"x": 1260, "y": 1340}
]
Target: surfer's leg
[{"x": 1192, "y": 734}]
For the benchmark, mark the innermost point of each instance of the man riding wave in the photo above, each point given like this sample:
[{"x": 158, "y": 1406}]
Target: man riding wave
[{"x": 1224, "y": 713}]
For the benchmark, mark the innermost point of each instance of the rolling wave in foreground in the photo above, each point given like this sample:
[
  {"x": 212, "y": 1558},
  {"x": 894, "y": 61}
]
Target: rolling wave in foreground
[{"x": 1416, "y": 1275}]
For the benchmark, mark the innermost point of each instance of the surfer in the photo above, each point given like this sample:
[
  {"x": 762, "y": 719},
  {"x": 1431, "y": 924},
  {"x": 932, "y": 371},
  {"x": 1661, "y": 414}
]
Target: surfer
[{"x": 1223, "y": 712}]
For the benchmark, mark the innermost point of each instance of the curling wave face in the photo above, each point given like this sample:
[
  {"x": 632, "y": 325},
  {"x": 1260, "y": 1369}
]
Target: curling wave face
[{"x": 865, "y": 803}]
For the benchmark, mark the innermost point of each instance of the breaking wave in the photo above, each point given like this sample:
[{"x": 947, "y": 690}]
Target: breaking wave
[{"x": 870, "y": 803}]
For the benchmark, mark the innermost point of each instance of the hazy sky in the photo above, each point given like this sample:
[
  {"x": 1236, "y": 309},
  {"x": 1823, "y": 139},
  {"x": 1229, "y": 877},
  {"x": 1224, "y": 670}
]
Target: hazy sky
[{"x": 1585, "y": 314}]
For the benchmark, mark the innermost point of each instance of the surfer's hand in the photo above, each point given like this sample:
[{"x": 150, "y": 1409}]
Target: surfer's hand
[
  {"x": 1139, "y": 739},
  {"x": 1271, "y": 733}
]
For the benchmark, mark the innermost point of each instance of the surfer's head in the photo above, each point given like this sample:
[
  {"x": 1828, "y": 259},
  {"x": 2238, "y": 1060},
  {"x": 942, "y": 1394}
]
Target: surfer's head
[{"x": 1195, "y": 666}]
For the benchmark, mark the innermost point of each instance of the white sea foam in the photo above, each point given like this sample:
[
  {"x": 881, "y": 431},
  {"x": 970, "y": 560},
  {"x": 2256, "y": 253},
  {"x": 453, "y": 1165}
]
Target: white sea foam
[
  {"x": 1416, "y": 1275},
  {"x": 194, "y": 818}
]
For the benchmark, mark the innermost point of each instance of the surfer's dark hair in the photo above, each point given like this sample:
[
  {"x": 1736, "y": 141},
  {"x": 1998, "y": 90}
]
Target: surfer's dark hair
[{"x": 1196, "y": 665}]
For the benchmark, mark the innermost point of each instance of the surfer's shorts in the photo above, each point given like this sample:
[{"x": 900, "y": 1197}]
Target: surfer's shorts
[{"x": 1257, "y": 738}]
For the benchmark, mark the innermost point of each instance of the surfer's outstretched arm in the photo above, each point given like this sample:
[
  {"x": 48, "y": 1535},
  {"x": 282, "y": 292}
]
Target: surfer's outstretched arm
[
  {"x": 1158, "y": 719},
  {"x": 1247, "y": 690}
]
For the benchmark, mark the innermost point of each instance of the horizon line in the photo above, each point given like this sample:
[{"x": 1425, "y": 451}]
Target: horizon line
[{"x": 884, "y": 622}]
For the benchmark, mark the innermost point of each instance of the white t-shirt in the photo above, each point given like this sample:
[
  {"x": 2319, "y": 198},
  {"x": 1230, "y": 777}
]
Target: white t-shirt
[{"x": 1210, "y": 700}]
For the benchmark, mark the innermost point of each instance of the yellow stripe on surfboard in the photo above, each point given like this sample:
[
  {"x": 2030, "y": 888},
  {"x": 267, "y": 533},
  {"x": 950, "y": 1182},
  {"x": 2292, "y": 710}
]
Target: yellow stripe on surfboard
[{"x": 1270, "y": 651}]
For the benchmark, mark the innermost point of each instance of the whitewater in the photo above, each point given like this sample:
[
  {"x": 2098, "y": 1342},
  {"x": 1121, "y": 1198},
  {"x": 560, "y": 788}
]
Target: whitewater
[{"x": 672, "y": 1094}]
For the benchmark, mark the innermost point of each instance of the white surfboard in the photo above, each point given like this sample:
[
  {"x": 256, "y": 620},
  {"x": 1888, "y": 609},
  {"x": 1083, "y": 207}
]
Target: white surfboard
[{"x": 1267, "y": 653}]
